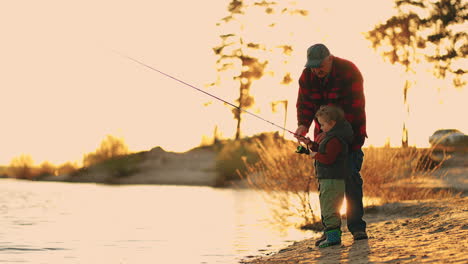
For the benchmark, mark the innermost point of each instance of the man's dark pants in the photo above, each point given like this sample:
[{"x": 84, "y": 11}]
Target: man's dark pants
[{"x": 353, "y": 192}]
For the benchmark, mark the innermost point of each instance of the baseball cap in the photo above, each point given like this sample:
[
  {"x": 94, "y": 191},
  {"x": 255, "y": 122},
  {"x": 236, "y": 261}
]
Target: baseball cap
[{"x": 315, "y": 55}]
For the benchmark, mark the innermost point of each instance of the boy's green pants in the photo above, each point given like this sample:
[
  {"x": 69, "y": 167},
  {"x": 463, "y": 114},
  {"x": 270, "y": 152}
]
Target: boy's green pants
[{"x": 331, "y": 195}]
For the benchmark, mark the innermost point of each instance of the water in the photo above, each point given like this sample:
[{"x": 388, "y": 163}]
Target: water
[{"x": 48, "y": 222}]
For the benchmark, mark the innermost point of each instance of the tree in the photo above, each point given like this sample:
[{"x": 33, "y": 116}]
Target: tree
[
  {"x": 424, "y": 30},
  {"x": 274, "y": 108},
  {"x": 66, "y": 168},
  {"x": 46, "y": 168},
  {"x": 110, "y": 147},
  {"x": 244, "y": 55},
  {"x": 21, "y": 167}
]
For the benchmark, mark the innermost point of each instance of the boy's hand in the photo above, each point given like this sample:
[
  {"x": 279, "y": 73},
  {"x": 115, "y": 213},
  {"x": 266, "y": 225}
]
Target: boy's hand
[{"x": 304, "y": 140}]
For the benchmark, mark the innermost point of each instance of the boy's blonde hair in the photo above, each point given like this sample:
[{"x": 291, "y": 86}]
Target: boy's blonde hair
[{"x": 330, "y": 113}]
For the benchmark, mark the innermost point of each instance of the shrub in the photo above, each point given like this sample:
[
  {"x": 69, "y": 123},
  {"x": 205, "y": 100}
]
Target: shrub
[
  {"x": 232, "y": 158},
  {"x": 110, "y": 147},
  {"x": 44, "y": 170},
  {"x": 67, "y": 168},
  {"x": 21, "y": 167}
]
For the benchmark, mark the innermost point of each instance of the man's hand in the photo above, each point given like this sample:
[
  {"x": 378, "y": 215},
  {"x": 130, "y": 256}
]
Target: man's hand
[{"x": 301, "y": 131}]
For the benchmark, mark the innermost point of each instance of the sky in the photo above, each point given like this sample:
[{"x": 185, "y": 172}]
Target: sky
[{"x": 65, "y": 87}]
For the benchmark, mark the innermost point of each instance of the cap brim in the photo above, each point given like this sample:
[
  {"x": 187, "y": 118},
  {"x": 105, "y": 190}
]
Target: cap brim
[{"x": 313, "y": 63}]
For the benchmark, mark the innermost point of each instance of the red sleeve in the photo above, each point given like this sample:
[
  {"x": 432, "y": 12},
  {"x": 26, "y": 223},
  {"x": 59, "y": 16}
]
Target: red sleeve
[
  {"x": 332, "y": 149},
  {"x": 305, "y": 107},
  {"x": 355, "y": 107}
]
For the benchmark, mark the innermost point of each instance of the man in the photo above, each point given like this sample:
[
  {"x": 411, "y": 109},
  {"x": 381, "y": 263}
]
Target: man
[{"x": 329, "y": 80}]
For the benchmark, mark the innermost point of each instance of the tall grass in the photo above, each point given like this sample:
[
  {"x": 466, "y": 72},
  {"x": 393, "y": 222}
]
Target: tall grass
[
  {"x": 287, "y": 179},
  {"x": 385, "y": 170}
]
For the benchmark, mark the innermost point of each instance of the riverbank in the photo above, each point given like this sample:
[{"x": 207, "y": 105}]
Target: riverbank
[
  {"x": 157, "y": 166},
  {"x": 414, "y": 231}
]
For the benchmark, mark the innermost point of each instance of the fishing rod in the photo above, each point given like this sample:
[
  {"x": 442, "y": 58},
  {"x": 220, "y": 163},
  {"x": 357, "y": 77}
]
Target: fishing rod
[{"x": 214, "y": 96}]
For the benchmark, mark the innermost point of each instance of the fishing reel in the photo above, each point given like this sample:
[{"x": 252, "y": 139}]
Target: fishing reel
[{"x": 302, "y": 150}]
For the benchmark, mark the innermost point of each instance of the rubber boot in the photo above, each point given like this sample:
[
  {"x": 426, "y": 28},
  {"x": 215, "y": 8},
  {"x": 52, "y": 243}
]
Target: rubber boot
[
  {"x": 320, "y": 239},
  {"x": 333, "y": 238}
]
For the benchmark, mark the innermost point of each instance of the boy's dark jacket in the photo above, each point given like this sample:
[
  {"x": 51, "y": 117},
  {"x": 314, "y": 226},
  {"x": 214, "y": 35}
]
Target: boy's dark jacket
[{"x": 338, "y": 169}]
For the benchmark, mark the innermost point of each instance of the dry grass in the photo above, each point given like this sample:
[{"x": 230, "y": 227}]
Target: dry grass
[
  {"x": 287, "y": 178},
  {"x": 383, "y": 167}
]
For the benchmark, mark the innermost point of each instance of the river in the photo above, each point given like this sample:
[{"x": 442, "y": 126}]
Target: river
[{"x": 51, "y": 222}]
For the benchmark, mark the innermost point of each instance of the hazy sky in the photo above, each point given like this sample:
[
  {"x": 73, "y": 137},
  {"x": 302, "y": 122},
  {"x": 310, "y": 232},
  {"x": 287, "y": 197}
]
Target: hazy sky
[{"x": 64, "y": 89}]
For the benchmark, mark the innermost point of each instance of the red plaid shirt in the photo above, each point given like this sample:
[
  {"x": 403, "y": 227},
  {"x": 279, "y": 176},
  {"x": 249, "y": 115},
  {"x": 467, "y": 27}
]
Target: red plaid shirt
[{"x": 344, "y": 88}]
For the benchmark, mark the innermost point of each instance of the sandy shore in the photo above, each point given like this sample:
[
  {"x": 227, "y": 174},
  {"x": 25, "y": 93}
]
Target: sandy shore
[
  {"x": 195, "y": 167},
  {"x": 430, "y": 231},
  {"x": 427, "y": 231}
]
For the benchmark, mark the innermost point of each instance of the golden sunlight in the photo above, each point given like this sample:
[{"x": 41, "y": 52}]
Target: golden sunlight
[{"x": 73, "y": 90}]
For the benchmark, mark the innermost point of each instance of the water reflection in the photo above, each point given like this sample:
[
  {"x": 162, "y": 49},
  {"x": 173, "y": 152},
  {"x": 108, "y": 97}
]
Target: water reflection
[{"x": 87, "y": 223}]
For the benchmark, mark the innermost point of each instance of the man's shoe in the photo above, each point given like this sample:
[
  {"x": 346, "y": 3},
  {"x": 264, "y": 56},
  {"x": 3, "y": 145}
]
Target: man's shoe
[
  {"x": 333, "y": 238},
  {"x": 359, "y": 235},
  {"x": 322, "y": 238}
]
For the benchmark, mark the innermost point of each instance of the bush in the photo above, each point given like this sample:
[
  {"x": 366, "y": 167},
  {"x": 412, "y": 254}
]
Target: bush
[
  {"x": 232, "y": 159},
  {"x": 45, "y": 169},
  {"x": 67, "y": 168},
  {"x": 110, "y": 147},
  {"x": 21, "y": 167}
]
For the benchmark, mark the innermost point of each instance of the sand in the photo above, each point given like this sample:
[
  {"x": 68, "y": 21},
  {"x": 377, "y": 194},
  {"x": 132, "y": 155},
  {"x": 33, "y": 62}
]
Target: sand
[
  {"x": 195, "y": 167},
  {"x": 426, "y": 231},
  {"x": 432, "y": 231}
]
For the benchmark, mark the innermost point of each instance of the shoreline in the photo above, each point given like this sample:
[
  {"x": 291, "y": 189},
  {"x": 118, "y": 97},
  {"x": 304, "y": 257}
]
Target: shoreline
[
  {"x": 411, "y": 231},
  {"x": 433, "y": 231}
]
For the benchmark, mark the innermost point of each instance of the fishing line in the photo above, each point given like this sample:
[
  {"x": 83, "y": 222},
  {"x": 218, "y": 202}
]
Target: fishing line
[{"x": 205, "y": 92}]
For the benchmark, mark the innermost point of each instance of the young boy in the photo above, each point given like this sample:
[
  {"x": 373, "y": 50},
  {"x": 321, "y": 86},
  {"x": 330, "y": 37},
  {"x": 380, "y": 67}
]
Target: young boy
[{"x": 330, "y": 152}]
